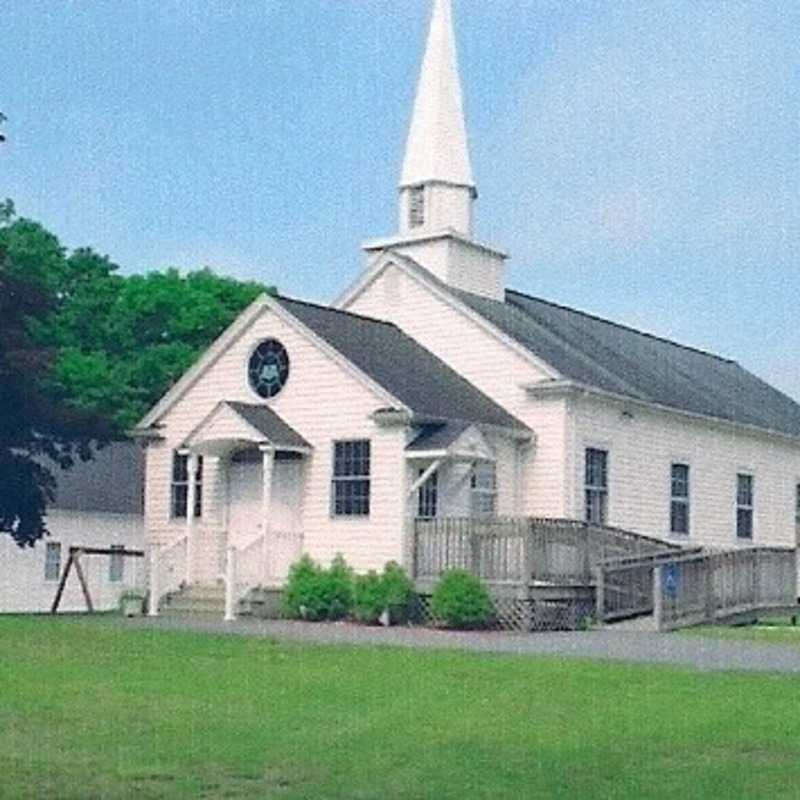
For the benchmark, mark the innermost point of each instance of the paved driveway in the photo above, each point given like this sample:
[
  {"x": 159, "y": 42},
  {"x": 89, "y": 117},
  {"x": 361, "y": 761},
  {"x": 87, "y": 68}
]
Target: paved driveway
[{"x": 703, "y": 653}]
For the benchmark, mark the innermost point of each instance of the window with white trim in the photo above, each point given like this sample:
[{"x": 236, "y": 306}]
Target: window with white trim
[
  {"x": 116, "y": 564},
  {"x": 180, "y": 486},
  {"x": 428, "y": 496},
  {"x": 483, "y": 489},
  {"x": 596, "y": 485},
  {"x": 679, "y": 503},
  {"x": 350, "y": 484},
  {"x": 52, "y": 561},
  {"x": 797, "y": 509},
  {"x": 416, "y": 207},
  {"x": 744, "y": 506}
]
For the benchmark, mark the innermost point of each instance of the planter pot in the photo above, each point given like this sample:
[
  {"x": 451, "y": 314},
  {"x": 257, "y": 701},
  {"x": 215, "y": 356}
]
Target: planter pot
[
  {"x": 394, "y": 615},
  {"x": 132, "y": 606}
]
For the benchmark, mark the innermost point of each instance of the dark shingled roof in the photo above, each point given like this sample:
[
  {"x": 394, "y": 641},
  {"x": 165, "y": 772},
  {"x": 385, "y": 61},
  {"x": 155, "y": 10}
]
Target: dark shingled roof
[
  {"x": 404, "y": 368},
  {"x": 112, "y": 482},
  {"x": 618, "y": 359},
  {"x": 437, "y": 437},
  {"x": 266, "y": 421}
]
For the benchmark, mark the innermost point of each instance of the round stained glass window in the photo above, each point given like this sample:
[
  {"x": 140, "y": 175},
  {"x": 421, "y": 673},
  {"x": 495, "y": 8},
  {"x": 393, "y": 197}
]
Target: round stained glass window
[{"x": 268, "y": 369}]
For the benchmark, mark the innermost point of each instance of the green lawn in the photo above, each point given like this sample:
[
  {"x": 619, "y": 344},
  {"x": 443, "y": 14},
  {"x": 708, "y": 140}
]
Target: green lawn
[
  {"x": 768, "y": 631},
  {"x": 89, "y": 709}
]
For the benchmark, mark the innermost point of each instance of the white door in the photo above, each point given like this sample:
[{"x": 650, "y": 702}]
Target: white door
[
  {"x": 245, "y": 492},
  {"x": 287, "y": 495},
  {"x": 285, "y": 523}
]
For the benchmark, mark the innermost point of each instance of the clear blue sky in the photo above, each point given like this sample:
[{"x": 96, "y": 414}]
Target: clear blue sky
[{"x": 640, "y": 160}]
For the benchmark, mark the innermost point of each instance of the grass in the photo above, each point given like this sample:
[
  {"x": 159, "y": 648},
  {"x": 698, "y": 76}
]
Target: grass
[
  {"x": 90, "y": 709},
  {"x": 769, "y": 631}
]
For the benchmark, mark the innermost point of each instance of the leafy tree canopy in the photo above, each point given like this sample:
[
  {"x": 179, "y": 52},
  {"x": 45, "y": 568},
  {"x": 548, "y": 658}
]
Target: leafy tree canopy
[{"x": 84, "y": 352}]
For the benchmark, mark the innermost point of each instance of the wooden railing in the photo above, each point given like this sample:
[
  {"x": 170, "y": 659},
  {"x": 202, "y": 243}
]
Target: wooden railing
[
  {"x": 714, "y": 586},
  {"x": 522, "y": 549}
]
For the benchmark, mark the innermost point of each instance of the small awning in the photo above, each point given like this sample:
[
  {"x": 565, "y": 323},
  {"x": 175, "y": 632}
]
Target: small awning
[
  {"x": 453, "y": 440},
  {"x": 232, "y": 425}
]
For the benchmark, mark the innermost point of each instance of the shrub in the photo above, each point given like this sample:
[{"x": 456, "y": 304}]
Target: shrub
[
  {"x": 390, "y": 591},
  {"x": 370, "y": 597},
  {"x": 399, "y": 589},
  {"x": 461, "y": 601},
  {"x": 339, "y": 588},
  {"x": 315, "y": 593}
]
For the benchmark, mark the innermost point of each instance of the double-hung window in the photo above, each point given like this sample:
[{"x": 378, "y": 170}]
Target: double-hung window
[
  {"x": 483, "y": 490},
  {"x": 180, "y": 486},
  {"x": 116, "y": 564},
  {"x": 350, "y": 486},
  {"x": 52, "y": 561},
  {"x": 679, "y": 503},
  {"x": 428, "y": 496},
  {"x": 744, "y": 506},
  {"x": 797, "y": 511},
  {"x": 596, "y": 485}
]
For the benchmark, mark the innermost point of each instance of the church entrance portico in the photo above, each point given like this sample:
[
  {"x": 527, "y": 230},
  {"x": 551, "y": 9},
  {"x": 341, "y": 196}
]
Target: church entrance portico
[
  {"x": 261, "y": 477},
  {"x": 264, "y": 517}
]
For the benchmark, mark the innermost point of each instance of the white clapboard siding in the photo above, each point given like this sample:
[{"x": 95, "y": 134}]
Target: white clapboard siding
[
  {"x": 23, "y": 587},
  {"x": 642, "y": 448},
  {"x": 323, "y": 402},
  {"x": 491, "y": 365}
]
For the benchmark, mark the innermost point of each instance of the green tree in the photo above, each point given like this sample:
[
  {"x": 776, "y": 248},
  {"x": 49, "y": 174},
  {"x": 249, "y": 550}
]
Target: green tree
[
  {"x": 85, "y": 351},
  {"x": 124, "y": 341},
  {"x": 36, "y": 421}
]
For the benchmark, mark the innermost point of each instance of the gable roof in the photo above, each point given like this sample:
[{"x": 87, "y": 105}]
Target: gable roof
[
  {"x": 405, "y": 369},
  {"x": 273, "y": 427},
  {"x": 587, "y": 350},
  {"x": 112, "y": 482},
  {"x": 614, "y": 358}
]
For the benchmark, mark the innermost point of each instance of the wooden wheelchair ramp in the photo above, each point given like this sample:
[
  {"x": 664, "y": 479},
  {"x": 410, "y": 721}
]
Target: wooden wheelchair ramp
[{"x": 667, "y": 591}]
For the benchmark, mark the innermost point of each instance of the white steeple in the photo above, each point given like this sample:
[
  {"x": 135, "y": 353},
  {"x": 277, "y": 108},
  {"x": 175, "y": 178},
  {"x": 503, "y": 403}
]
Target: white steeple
[
  {"x": 437, "y": 139},
  {"x": 437, "y": 191},
  {"x": 436, "y": 186}
]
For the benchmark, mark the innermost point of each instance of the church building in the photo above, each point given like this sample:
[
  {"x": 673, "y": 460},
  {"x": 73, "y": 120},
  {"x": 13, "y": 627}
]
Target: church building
[{"x": 430, "y": 389}]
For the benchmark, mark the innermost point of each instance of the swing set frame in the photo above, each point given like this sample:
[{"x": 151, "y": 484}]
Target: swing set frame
[{"x": 75, "y": 554}]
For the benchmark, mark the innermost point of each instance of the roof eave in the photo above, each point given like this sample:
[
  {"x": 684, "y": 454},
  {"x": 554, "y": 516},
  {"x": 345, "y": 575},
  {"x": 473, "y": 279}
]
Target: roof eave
[{"x": 555, "y": 388}]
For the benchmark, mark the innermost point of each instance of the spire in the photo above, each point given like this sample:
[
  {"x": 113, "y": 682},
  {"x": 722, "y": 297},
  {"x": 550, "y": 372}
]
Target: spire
[{"x": 437, "y": 150}]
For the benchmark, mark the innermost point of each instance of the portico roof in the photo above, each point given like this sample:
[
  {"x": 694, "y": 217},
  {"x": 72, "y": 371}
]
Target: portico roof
[
  {"x": 232, "y": 424},
  {"x": 454, "y": 440}
]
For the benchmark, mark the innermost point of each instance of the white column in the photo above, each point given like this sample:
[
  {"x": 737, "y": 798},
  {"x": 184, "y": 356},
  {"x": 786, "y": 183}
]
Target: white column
[
  {"x": 268, "y": 465},
  {"x": 230, "y": 585},
  {"x": 155, "y": 589},
  {"x": 190, "y": 501}
]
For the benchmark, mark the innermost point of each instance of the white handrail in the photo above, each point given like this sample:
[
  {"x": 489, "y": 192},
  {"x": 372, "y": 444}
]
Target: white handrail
[
  {"x": 263, "y": 559},
  {"x": 167, "y": 568}
]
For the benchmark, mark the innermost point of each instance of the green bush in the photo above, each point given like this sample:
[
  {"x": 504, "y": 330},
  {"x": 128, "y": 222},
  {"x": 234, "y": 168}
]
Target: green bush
[
  {"x": 399, "y": 589},
  {"x": 390, "y": 591},
  {"x": 315, "y": 593},
  {"x": 370, "y": 598},
  {"x": 339, "y": 588},
  {"x": 460, "y": 600}
]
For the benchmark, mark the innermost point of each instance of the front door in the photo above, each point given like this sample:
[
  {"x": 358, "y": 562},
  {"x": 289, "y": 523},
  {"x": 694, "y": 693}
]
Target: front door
[{"x": 245, "y": 494}]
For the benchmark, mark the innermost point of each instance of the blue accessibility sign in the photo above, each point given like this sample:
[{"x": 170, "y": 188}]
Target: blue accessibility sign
[{"x": 672, "y": 578}]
